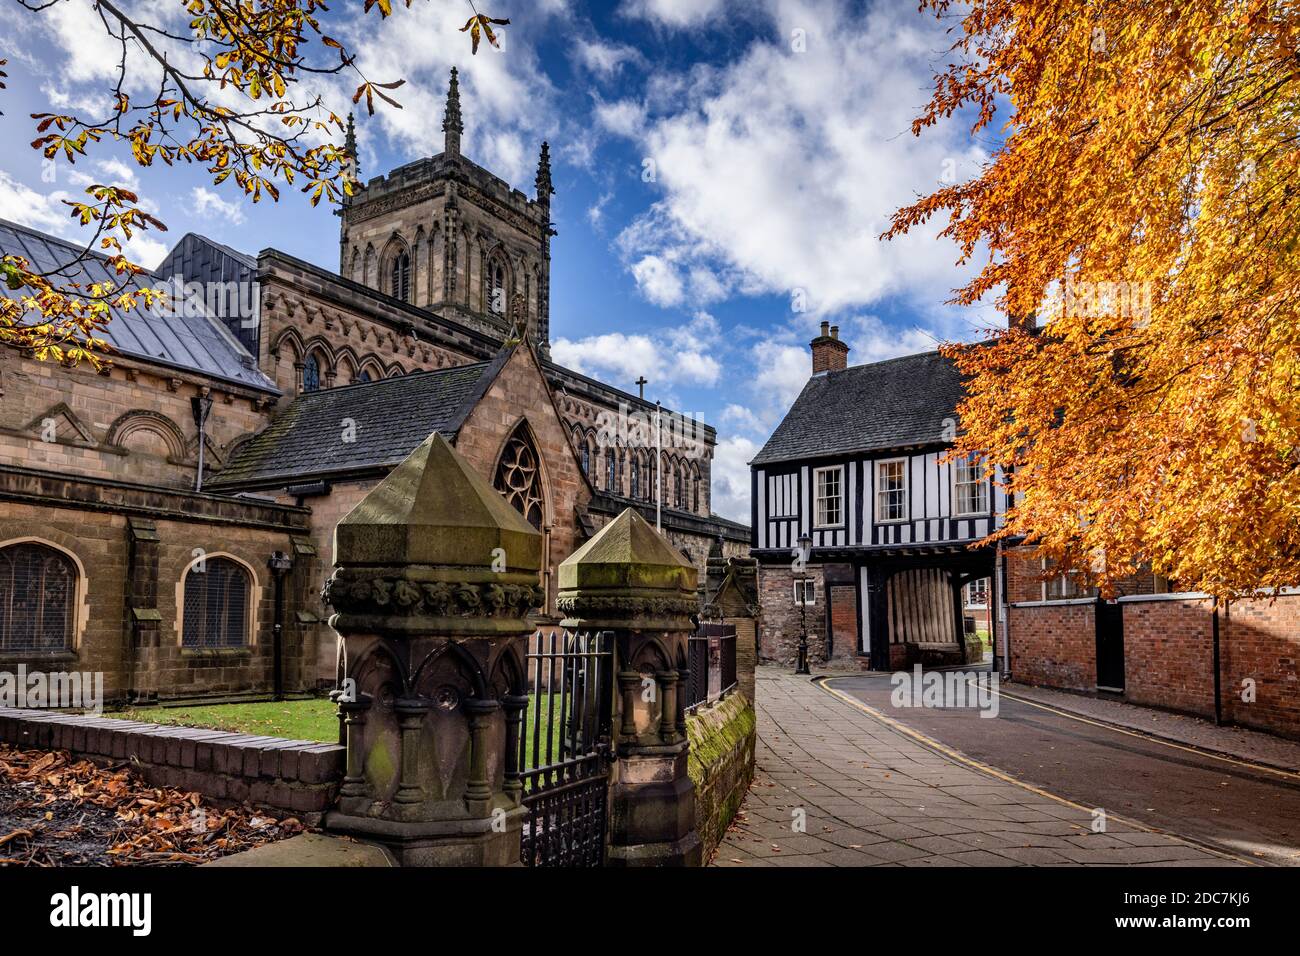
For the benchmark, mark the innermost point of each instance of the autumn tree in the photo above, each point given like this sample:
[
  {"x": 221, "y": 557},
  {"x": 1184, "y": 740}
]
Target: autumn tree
[
  {"x": 220, "y": 83},
  {"x": 1144, "y": 205}
]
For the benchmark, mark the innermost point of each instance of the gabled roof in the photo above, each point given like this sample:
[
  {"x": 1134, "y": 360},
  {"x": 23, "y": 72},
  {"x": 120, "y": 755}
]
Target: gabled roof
[
  {"x": 389, "y": 419},
  {"x": 898, "y": 403},
  {"x": 197, "y": 258},
  {"x": 193, "y": 342}
]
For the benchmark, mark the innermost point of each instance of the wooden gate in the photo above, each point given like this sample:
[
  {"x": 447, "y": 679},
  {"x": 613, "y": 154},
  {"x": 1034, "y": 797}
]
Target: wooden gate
[{"x": 564, "y": 748}]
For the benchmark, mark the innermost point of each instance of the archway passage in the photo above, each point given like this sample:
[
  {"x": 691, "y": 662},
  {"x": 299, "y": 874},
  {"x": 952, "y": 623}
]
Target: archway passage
[{"x": 916, "y": 610}]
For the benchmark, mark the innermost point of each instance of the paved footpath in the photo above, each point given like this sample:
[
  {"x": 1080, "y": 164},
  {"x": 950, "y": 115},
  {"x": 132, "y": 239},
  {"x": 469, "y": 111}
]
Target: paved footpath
[{"x": 869, "y": 795}]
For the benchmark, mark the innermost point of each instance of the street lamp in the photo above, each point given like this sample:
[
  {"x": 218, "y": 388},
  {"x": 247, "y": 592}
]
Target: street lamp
[{"x": 805, "y": 548}]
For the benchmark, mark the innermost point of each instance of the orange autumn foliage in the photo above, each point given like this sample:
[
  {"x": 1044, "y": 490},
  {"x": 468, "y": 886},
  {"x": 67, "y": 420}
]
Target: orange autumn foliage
[{"x": 1144, "y": 204}]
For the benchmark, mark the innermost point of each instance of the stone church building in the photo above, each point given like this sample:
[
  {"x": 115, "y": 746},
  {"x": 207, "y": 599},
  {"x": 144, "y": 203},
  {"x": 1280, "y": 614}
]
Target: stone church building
[{"x": 168, "y": 520}]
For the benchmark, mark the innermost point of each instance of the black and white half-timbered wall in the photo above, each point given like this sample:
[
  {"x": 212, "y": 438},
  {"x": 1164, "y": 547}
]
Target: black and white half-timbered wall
[{"x": 856, "y": 472}]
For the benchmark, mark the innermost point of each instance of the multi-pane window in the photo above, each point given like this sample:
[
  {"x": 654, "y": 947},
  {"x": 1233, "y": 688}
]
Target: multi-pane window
[
  {"x": 1062, "y": 587},
  {"x": 970, "y": 490},
  {"x": 216, "y": 604},
  {"x": 805, "y": 591},
  {"x": 679, "y": 494},
  {"x": 891, "y": 490},
  {"x": 611, "y": 470},
  {"x": 311, "y": 374},
  {"x": 400, "y": 277},
  {"x": 829, "y": 506},
  {"x": 635, "y": 491},
  {"x": 38, "y": 587}
]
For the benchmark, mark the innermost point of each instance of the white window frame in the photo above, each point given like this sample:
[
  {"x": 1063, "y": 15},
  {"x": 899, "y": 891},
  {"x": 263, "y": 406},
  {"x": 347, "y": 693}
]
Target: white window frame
[
  {"x": 809, "y": 588},
  {"x": 974, "y": 462},
  {"x": 906, "y": 489},
  {"x": 817, "y": 496},
  {"x": 1081, "y": 593}
]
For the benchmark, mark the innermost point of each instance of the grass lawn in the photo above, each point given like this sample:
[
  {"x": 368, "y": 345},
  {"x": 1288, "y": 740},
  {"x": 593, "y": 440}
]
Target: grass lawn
[{"x": 314, "y": 719}]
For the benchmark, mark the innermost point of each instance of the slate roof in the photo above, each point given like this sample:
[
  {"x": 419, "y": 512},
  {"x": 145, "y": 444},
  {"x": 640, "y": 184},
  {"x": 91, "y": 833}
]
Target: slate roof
[
  {"x": 194, "y": 342},
  {"x": 392, "y": 417},
  {"x": 897, "y": 403},
  {"x": 199, "y": 259}
]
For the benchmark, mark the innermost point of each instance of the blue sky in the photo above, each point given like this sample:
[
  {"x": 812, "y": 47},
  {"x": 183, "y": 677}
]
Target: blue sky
[{"x": 722, "y": 169}]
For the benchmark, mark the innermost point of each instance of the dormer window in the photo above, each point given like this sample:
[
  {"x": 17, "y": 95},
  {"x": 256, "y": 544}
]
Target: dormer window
[{"x": 400, "y": 277}]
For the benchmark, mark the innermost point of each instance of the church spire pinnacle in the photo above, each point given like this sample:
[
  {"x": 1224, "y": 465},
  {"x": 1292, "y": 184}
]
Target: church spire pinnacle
[
  {"x": 352, "y": 164},
  {"x": 543, "y": 181},
  {"x": 452, "y": 125}
]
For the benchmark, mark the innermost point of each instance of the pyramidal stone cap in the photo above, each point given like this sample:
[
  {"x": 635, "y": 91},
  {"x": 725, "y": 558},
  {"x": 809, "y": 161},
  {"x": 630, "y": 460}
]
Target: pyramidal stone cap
[
  {"x": 628, "y": 554},
  {"x": 435, "y": 509}
]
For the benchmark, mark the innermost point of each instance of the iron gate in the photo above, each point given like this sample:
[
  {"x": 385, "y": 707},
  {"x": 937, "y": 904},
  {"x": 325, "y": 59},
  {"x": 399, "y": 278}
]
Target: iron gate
[{"x": 564, "y": 748}]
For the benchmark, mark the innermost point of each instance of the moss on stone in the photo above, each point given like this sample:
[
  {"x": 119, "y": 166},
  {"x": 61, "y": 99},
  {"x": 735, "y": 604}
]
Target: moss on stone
[{"x": 721, "y": 764}]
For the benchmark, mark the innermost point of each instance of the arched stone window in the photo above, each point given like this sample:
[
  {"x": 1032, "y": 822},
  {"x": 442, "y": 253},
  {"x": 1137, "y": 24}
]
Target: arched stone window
[
  {"x": 695, "y": 488},
  {"x": 584, "y": 451},
  {"x": 679, "y": 492},
  {"x": 519, "y": 477},
  {"x": 498, "y": 285},
  {"x": 611, "y": 471},
  {"x": 635, "y": 490},
  {"x": 363, "y": 376},
  {"x": 399, "y": 277},
  {"x": 38, "y": 592},
  {"x": 311, "y": 373},
  {"x": 216, "y": 604}
]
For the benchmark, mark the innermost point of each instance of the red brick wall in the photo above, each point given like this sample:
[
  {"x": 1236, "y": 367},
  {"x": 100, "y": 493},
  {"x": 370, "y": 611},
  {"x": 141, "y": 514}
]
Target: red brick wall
[
  {"x": 844, "y": 622},
  {"x": 1169, "y": 655},
  {"x": 1261, "y": 640},
  {"x": 1055, "y": 645}
]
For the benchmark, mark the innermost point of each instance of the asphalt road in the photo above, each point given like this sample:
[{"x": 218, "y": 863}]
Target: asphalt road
[{"x": 1239, "y": 808}]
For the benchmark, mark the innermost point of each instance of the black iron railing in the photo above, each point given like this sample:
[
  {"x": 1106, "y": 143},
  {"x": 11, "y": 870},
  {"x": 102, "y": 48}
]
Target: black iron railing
[
  {"x": 712, "y": 660},
  {"x": 564, "y": 748}
]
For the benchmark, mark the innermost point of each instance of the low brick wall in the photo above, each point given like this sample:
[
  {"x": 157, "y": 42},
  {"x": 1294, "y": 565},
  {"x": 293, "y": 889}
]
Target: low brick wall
[
  {"x": 1055, "y": 645},
  {"x": 721, "y": 764},
  {"x": 299, "y": 776}
]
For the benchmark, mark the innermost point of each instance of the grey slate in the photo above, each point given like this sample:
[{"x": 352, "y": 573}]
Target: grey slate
[
  {"x": 199, "y": 259},
  {"x": 195, "y": 343},
  {"x": 392, "y": 417},
  {"x": 901, "y": 402}
]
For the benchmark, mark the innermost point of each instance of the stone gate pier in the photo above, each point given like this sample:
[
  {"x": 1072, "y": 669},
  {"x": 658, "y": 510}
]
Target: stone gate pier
[{"x": 435, "y": 576}]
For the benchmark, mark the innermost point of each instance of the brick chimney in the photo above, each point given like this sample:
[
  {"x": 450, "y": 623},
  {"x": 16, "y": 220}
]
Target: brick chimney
[{"x": 829, "y": 354}]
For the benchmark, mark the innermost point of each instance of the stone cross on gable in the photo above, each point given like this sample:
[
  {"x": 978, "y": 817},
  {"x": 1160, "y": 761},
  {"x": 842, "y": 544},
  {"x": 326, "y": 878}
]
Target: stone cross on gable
[{"x": 641, "y": 384}]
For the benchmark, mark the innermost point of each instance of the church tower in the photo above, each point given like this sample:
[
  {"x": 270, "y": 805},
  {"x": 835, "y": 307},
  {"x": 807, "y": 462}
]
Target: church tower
[{"x": 444, "y": 234}]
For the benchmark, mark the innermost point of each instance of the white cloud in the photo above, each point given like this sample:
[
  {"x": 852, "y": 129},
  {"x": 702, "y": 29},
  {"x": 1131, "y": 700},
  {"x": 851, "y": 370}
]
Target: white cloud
[
  {"x": 209, "y": 206},
  {"x": 673, "y": 13},
  {"x": 730, "y": 474},
  {"x": 658, "y": 281},
  {"x": 621, "y": 117},
  {"x": 47, "y": 213},
  {"x": 679, "y": 355},
  {"x": 605, "y": 59},
  {"x": 743, "y": 419},
  {"x": 780, "y": 170}
]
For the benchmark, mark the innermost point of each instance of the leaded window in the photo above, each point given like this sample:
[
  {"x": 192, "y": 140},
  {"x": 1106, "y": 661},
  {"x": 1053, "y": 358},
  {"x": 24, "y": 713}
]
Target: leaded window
[
  {"x": 38, "y": 587},
  {"x": 519, "y": 479},
  {"x": 611, "y": 470},
  {"x": 310, "y": 374},
  {"x": 216, "y": 604},
  {"x": 635, "y": 491}
]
